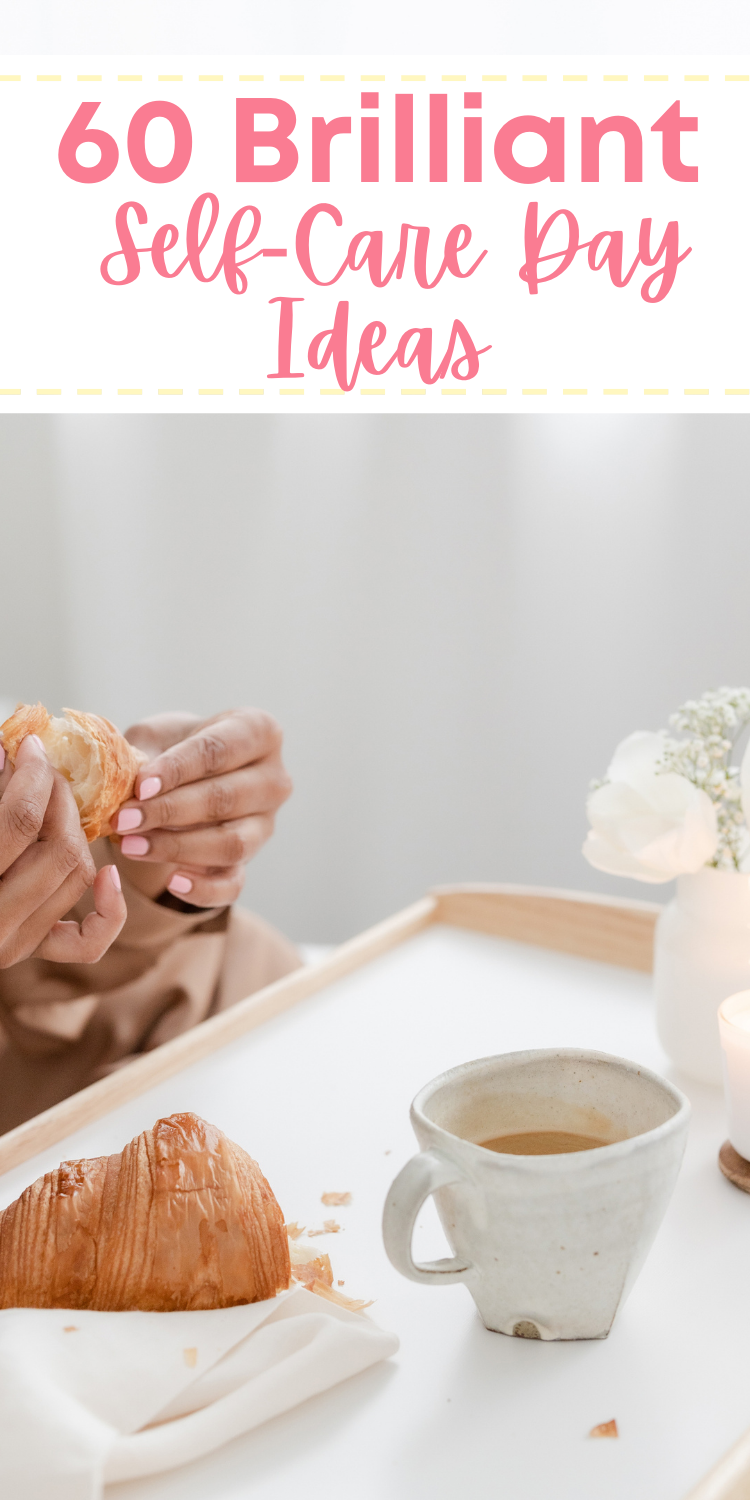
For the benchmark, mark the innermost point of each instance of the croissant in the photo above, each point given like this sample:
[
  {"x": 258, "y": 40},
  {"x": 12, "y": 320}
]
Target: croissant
[
  {"x": 181, "y": 1219},
  {"x": 91, "y": 754}
]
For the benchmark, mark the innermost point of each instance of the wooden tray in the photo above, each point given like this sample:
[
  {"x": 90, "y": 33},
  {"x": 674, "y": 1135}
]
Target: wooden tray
[
  {"x": 688, "y": 1309},
  {"x": 613, "y": 931}
]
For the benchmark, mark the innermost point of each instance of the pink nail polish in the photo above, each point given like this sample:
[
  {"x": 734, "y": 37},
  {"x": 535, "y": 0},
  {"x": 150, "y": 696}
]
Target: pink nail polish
[
  {"x": 115, "y": 874},
  {"x": 2, "y": 757},
  {"x": 149, "y": 788},
  {"x": 130, "y": 817},
  {"x": 135, "y": 844},
  {"x": 180, "y": 885}
]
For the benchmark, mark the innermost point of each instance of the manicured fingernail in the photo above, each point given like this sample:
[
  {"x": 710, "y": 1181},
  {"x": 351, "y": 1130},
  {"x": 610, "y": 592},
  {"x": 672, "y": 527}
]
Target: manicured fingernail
[
  {"x": 34, "y": 744},
  {"x": 135, "y": 844},
  {"x": 130, "y": 817},
  {"x": 180, "y": 885},
  {"x": 149, "y": 788},
  {"x": 115, "y": 874},
  {"x": 2, "y": 757}
]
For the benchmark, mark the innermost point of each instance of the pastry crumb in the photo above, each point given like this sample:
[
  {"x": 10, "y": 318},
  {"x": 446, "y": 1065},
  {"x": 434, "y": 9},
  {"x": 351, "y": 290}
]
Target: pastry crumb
[
  {"x": 294, "y": 1230},
  {"x": 70, "y": 1328},
  {"x": 329, "y": 1227},
  {"x": 353, "y": 1304},
  {"x": 341, "y": 1283},
  {"x": 605, "y": 1429},
  {"x": 317, "y": 1276},
  {"x": 190, "y": 1357},
  {"x": 336, "y": 1200},
  {"x": 309, "y": 1271}
]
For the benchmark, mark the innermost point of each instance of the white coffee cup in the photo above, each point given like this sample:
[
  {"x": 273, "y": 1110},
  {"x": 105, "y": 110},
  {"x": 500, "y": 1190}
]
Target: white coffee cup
[{"x": 549, "y": 1246}]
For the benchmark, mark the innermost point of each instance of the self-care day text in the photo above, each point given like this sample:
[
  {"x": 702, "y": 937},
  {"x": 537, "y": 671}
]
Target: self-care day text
[{"x": 268, "y": 127}]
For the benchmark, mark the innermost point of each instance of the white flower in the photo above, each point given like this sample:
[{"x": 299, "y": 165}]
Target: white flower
[{"x": 652, "y": 826}]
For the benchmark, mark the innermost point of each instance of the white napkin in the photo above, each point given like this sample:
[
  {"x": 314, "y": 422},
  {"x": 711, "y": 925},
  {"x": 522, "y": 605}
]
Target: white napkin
[{"x": 79, "y": 1391}]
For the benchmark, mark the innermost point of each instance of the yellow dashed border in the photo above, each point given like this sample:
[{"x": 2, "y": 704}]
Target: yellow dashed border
[
  {"x": 380, "y": 78},
  {"x": 461, "y": 390}
]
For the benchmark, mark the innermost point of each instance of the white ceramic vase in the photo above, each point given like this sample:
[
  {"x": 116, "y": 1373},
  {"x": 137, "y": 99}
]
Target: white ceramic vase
[{"x": 701, "y": 955}]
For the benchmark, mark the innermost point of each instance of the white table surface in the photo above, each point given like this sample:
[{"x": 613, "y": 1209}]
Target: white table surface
[{"x": 320, "y": 1097}]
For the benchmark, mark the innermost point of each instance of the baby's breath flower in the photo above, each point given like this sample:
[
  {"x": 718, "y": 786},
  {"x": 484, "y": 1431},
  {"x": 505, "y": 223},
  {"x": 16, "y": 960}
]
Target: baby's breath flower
[{"x": 713, "y": 724}]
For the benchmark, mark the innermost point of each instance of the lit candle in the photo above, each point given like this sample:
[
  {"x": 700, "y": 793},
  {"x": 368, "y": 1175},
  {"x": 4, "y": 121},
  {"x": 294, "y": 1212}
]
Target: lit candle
[{"x": 734, "y": 1030}]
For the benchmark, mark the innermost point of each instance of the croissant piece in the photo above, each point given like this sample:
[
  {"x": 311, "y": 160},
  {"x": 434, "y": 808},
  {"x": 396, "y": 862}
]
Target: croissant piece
[
  {"x": 181, "y": 1219},
  {"x": 89, "y": 752}
]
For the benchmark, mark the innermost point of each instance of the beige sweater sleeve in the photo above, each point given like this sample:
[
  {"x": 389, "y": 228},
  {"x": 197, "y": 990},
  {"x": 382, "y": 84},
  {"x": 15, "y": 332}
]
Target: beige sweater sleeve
[{"x": 64, "y": 1025}]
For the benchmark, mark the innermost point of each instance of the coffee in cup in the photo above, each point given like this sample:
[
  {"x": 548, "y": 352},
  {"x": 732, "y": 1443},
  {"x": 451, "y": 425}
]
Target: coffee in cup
[{"x": 551, "y": 1172}]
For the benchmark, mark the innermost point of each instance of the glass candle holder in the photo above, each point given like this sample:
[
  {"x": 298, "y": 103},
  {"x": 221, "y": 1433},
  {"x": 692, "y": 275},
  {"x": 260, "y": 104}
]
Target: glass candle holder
[{"x": 734, "y": 1031}]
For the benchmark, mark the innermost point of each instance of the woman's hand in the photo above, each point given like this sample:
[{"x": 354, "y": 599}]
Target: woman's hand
[
  {"x": 45, "y": 867},
  {"x": 204, "y": 803}
]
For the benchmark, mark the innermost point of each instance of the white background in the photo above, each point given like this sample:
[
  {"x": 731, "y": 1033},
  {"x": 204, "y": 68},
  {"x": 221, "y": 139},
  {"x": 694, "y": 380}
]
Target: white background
[
  {"x": 580, "y": 339},
  {"x": 394, "y": 26}
]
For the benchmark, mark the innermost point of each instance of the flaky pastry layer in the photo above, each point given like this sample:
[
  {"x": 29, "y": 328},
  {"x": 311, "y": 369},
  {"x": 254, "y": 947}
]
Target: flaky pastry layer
[{"x": 91, "y": 754}]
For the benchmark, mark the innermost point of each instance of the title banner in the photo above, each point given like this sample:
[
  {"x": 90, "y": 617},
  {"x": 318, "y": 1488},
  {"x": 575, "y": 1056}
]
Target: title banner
[{"x": 374, "y": 234}]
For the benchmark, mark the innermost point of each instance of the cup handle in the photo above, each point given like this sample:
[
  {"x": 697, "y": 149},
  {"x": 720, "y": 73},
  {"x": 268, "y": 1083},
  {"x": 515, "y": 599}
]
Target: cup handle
[{"x": 420, "y": 1177}]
